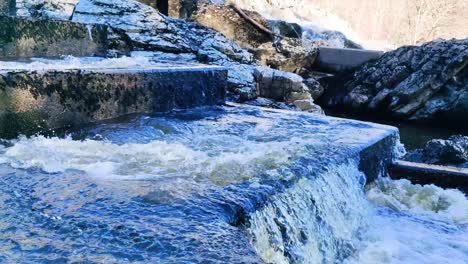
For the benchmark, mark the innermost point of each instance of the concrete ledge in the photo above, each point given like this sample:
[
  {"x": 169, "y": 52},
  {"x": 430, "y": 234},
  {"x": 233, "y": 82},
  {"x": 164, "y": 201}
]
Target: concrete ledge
[
  {"x": 33, "y": 101},
  {"x": 25, "y": 38},
  {"x": 444, "y": 176},
  {"x": 336, "y": 60}
]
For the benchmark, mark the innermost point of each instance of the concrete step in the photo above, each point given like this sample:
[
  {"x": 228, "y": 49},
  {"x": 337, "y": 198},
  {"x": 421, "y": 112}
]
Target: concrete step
[
  {"x": 26, "y": 38},
  {"x": 421, "y": 173},
  {"x": 337, "y": 60},
  {"x": 39, "y": 100}
]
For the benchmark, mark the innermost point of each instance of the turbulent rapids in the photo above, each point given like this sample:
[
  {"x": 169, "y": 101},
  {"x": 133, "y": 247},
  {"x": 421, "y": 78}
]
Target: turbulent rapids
[{"x": 219, "y": 185}]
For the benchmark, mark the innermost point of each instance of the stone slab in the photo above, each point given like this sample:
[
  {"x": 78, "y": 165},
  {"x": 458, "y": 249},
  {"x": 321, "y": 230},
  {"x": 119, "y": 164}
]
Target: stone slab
[
  {"x": 336, "y": 60},
  {"x": 421, "y": 173},
  {"x": 33, "y": 101},
  {"x": 25, "y": 38}
]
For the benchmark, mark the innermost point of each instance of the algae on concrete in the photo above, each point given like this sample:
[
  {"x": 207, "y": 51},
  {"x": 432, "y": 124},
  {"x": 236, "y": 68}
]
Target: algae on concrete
[{"x": 25, "y": 38}]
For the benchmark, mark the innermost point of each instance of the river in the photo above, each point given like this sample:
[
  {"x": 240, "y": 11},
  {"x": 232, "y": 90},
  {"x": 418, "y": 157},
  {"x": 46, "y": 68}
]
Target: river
[{"x": 218, "y": 185}]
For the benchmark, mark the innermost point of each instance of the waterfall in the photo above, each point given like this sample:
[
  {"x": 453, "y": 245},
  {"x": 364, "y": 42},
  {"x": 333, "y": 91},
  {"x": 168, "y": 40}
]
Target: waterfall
[
  {"x": 333, "y": 218},
  {"x": 316, "y": 221}
]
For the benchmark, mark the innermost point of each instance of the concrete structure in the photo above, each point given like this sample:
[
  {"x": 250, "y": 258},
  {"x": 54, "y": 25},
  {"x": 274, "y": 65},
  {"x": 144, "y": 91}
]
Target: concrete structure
[
  {"x": 24, "y": 38},
  {"x": 444, "y": 176},
  {"x": 336, "y": 60},
  {"x": 32, "y": 101}
]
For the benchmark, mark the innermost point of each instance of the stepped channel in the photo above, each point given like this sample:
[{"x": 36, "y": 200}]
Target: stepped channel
[
  {"x": 192, "y": 186},
  {"x": 46, "y": 94}
]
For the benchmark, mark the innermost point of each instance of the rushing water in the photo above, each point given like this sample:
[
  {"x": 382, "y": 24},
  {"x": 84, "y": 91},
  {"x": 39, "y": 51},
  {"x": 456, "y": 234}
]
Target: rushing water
[{"x": 218, "y": 185}]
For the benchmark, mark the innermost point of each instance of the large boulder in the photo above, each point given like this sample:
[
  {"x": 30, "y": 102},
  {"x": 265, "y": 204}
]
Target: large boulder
[
  {"x": 286, "y": 29},
  {"x": 288, "y": 54},
  {"x": 226, "y": 20},
  {"x": 422, "y": 83},
  {"x": 451, "y": 151},
  {"x": 271, "y": 48}
]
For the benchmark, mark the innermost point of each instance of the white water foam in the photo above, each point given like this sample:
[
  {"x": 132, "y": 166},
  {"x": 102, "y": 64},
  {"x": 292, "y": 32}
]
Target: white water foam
[
  {"x": 155, "y": 159},
  {"x": 331, "y": 220},
  {"x": 430, "y": 200},
  {"x": 303, "y": 12},
  {"x": 71, "y": 62},
  {"x": 315, "y": 221},
  {"x": 415, "y": 224}
]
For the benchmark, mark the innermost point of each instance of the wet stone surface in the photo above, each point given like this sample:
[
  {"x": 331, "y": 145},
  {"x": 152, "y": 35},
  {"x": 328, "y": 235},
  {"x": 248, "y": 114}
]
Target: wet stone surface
[
  {"x": 34, "y": 101},
  {"x": 178, "y": 187}
]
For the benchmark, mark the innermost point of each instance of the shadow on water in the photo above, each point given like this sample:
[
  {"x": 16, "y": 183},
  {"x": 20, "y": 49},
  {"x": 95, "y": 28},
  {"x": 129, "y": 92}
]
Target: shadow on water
[{"x": 412, "y": 135}]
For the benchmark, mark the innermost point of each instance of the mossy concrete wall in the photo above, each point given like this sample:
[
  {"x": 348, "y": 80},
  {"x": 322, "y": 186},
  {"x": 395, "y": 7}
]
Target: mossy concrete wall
[
  {"x": 25, "y": 38},
  {"x": 37, "y": 101}
]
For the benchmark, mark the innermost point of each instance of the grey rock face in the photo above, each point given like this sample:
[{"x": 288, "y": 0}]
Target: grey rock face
[
  {"x": 288, "y": 54},
  {"x": 283, "y": 28},
  {"x": 423, "y": 83},
  {"x": 148, "y": 30},
  {"x": 332, "y": 39},
  {"x": 52, "y": 9},
  {"x": 226, "y": 20},
  {"x": 452, "y": 151},
  {"x": 134, "y": 26}
]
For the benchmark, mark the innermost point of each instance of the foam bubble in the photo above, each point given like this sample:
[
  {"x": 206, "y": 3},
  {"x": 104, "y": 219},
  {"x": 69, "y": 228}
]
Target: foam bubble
[
  {"x": 402, "y": 195},
  {"x": 154, "y": 159}
]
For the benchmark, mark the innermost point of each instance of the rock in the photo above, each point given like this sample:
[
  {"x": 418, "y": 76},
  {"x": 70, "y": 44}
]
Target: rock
[
  {"x": 280, "y": 86},
  {"x": 315, "y": 88},
  {"x": 50, "y": 9},
  {"x": 425, "y": 83},
  {"x": 329, "y": 38},
  {"x": 287, "y": 87},
  {"x": 309, "y": 106},
  {"x": 134, "y": 26},
  {"x": 148, "y": 30},
  {"x": 286, "y": 29},
  {"x": 452, "y": 151},
  {"x": 265, "y": 102},
  {"x": 32, "y": 101},
  {"x": 287, "y": 54},
  {"x": 227, "y": 21}
]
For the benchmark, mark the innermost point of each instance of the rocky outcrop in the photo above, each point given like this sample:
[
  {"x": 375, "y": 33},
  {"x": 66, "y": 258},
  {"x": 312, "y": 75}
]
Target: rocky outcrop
[
  {"x": 330, "y": 38},
  {"x": 226, "y": 20},
  {"x": 288, "y": 54},
  {"x": 285, "y": 29},
  {"x": 425, "y": 83},
  {"x": 134, "y": 26},
  {"x": 146, "y": 29},
  {"x": 276, "y": 51},
  {"x": 51, "y": 9},
  {"x": 451, "y": 151}
]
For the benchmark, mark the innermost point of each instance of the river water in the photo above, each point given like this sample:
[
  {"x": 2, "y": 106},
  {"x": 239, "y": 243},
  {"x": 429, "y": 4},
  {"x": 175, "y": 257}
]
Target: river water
[{"x": 218, "y": 185}]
